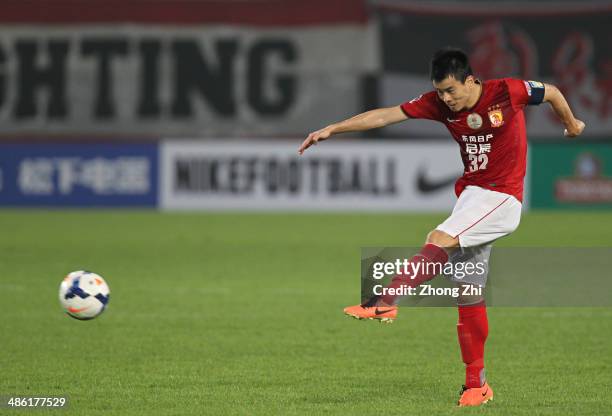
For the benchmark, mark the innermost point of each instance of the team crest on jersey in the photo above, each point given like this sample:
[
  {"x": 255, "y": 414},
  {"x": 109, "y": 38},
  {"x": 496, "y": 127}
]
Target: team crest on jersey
[
  {"x": 496, "y": 117},
  {"x": 474, "y": 121}
]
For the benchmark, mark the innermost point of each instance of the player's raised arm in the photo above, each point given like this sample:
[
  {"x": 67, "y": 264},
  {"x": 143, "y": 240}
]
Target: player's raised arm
[
  {"x": 373, "y": 119},
  {"x": 552, "y": 95}
]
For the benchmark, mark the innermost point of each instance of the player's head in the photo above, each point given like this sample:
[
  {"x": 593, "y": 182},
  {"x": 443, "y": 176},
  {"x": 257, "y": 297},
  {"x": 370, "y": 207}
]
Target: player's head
[{"x": 452, "y": 78}]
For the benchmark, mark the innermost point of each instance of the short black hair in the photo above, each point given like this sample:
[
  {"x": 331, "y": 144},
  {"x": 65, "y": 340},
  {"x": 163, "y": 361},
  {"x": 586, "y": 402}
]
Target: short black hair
[{"x": 450, "y": 62}]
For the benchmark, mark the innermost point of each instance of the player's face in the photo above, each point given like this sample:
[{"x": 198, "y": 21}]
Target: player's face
[{"x": 455, "y": 94}]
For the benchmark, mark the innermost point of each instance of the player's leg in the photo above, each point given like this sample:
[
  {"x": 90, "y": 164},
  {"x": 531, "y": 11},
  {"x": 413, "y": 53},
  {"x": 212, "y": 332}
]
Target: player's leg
[
  {"x": 479, "y": 216},
  {"x": 472, "y": 331},
  {"x": 472, "y": 208},
  {"x": 472, "y": 325},
  {"x": 433, "y": 253},
  {"x": 498, "y": 216}
]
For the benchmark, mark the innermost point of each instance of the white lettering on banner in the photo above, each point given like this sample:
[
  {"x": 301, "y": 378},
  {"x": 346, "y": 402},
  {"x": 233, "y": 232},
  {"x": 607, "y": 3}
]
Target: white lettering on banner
[
  {"x": 36, "y": 176},
  {"x": 343, "y": 175},
  {"x": 122, "y": 175}
]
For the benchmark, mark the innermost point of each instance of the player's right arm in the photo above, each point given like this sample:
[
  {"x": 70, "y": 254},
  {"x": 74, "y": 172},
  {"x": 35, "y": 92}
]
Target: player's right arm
[{"x": 373, "y": 119}]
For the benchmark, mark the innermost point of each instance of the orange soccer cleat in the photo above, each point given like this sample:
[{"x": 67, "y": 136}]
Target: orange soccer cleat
[
  {"x": 385, "y": 314},
  {"x": 475, "y": 396}
]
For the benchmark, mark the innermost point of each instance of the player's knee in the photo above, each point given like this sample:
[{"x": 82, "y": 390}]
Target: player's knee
[
  {"x": 467, "y": 300},
  {"x": 442, "y": 239}
]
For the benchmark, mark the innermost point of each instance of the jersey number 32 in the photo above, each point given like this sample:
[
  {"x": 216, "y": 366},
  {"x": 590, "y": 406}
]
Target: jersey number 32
[{"x": 478, "y": 162}]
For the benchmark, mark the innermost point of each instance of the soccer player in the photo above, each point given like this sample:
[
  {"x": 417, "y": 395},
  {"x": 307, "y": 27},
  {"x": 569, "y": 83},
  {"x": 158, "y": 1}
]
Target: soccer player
[{"x": 486, "y": 119}]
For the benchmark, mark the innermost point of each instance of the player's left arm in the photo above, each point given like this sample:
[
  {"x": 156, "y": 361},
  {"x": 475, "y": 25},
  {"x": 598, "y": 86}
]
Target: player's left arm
[{"x": 552, "y": 95}]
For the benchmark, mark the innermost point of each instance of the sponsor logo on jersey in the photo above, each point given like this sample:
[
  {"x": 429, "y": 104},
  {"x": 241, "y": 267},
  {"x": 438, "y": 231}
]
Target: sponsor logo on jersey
[
  {"x": 474, "y": 121},
  {"x": 476, "y": 139},
  {"x": 496, "y": 117}
]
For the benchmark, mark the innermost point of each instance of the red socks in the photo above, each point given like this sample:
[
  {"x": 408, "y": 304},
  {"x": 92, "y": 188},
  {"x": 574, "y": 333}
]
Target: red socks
[
  {"x": 473, "y": 326},
  {"x": 473, "y": 329},
  {"x": 429, "y": 254}
]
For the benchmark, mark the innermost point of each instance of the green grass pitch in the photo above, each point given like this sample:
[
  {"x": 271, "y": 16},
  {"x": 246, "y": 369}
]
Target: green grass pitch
[{"x": 242, "y": 315}]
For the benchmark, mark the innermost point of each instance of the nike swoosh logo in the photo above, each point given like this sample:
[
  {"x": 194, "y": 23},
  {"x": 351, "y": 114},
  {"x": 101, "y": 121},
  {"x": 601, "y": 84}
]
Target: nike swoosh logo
[
  {"x": 77, "y": 310},
  {"x": 450, "y": 120},
  {"x": 379, "y": 312},
  {"x": 426, "y": 185},
  {"x": 485, "y": 393}
]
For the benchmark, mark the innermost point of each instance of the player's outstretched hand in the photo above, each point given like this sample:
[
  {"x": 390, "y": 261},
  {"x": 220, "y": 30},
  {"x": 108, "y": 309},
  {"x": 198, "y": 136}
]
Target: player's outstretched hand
[
  {"x": 313, "y": 138},
  {"x": 574, "y": 130}
]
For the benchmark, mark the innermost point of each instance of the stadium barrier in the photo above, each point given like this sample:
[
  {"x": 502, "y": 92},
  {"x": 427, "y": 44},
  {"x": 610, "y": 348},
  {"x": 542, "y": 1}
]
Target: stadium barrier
[{"x": 266, "y": 175}]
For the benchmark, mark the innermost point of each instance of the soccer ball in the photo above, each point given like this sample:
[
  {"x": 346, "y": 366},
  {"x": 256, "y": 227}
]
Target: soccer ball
[{"x": 84, "y": 295}]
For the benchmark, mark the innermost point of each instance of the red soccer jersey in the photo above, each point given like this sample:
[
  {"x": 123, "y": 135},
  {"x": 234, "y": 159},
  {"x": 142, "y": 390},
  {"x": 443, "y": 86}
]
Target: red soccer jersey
[{"x": 491, "y": 135}]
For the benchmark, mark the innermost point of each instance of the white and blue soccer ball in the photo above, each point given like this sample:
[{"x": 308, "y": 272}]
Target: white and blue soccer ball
[{"x": 84, "y": 295}]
